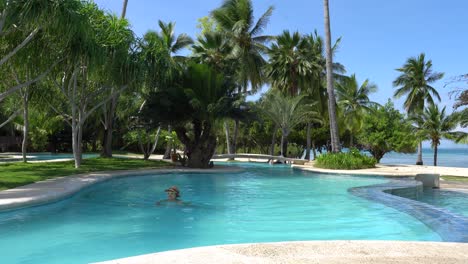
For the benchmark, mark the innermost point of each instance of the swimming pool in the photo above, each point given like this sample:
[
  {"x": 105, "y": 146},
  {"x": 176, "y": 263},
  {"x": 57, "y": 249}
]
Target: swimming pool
[
  {"x": 456, "y": 202},
  {"x": 44, "y": 156},
  {"x": 118, "y": 218}
]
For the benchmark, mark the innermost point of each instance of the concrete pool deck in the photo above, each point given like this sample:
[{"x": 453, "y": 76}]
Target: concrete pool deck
[
  {"x": 349, "y": 252},
  {"x": 393, "y": 170}
]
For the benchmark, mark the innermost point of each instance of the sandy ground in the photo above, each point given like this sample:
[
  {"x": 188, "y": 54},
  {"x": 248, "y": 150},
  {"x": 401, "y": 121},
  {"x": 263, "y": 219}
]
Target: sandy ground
[{"x": 349, "y": 252}]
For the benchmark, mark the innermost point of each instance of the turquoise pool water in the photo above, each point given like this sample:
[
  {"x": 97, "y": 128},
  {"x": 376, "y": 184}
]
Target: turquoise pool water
[
  {"x": 456, "y": 202},
  {"x": 119, "y": 218},
  {"x": 51, "y": 156}
]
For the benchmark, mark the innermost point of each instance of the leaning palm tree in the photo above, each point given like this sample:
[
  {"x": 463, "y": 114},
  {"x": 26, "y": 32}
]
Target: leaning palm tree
[
  {"x": 335, "y": 140},
  {"x": 437, "y": 125},
  {"x": 415, "y": 81},
  {"x": 354, "y": 102}
]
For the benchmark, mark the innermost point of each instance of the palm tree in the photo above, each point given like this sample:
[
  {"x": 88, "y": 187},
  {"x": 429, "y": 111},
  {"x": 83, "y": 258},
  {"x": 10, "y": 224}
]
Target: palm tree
[
  {"x": 161, "y": 49},
  {"x": 235, "y": 18},
  {"x": 290, "y": 64},
  {"x": 354, "y": 101},
  {"x": 286, "y": 112},
  {"x": 214, "y": 49},
  {"x": 193, "y": 104},
  {"x": 437, "y": 125},
  {"x": 415, "y": 81},
  {"x": 335, "y": 140}
]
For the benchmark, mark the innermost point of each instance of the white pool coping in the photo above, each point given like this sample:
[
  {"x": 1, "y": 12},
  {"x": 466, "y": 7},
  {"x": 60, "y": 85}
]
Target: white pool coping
[
  {"x": 59, "y": 188},
  {"x": 392, "y": 170},
  {"x": 341, "y": 251}
]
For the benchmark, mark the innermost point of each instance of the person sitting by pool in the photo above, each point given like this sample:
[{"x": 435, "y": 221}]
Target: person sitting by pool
[{"x": 173, "y": 195}]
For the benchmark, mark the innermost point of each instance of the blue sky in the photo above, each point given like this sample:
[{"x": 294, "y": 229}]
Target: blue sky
[{"x": 377, "y": 36}]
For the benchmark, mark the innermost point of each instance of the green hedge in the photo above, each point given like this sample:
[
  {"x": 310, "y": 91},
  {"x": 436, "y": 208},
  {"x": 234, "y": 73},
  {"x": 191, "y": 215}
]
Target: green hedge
[{"x": 351, "y": 160}]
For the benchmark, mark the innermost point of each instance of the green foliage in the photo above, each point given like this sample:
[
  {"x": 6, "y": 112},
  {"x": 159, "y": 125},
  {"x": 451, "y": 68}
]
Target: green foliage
[
  {"x": 387, "y": 130},
  {"x": 18, "y": 174},
  {"x": 354, "y": 102},
  {"x": 352, "y": 160},
  {"x": 414, "y": 80}
]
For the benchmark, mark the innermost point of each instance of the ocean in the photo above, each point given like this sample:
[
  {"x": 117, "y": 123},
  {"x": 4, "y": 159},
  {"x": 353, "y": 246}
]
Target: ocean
[{"x": 447, "y": 157}]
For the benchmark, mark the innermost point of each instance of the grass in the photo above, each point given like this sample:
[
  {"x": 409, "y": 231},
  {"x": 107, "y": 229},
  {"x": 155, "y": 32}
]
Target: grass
[
  {"x": 17, "y": 174},
  {"x": 455, "y": 178}
]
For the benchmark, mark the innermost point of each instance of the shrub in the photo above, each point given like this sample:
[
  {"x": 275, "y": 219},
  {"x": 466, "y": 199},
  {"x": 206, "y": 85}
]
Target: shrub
[{"x": 351, "y": 160}]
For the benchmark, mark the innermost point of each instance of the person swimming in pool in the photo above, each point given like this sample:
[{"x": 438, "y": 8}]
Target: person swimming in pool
[{"x": 173, "y": 195}]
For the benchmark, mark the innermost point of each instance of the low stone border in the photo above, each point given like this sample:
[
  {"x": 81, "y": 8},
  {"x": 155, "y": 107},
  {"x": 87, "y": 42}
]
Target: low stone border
[
  {"x": 55, "y": 189},
  {"x": 330, "y": 252},
  {"x": 450, "y": 226}
]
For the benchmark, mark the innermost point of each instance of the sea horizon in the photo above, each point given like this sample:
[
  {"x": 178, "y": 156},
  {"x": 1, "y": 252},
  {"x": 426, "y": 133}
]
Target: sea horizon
[{"x": 446, "y": 157}]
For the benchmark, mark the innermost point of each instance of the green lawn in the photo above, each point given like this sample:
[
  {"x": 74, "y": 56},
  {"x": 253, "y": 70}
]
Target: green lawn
[
  {"x": 455, "y": 178},
  {"x": 19, "y": 173}
]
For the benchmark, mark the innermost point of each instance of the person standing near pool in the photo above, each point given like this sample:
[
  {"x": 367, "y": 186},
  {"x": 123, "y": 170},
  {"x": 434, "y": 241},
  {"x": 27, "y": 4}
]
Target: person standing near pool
[{"x": 173, "y": 195}]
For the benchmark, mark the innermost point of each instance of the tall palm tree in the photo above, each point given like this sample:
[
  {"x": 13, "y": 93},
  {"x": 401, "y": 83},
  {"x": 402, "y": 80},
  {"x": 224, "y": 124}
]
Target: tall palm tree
[
  {"x": 235, "y": 18},
  {"x": 437, "y": 125},
  {"x": 415, "y": 81},
  {"x": 335, "y": 140},
  {"x": 354, "y": 101}
]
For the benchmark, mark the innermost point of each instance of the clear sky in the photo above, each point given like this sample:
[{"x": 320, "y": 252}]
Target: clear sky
[{"x": 377, "y": 35}]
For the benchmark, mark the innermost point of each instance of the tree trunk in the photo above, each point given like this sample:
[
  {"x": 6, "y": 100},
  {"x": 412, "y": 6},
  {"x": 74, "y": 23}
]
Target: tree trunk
[
  {"x": 24, "y": 145},
  {"x": 419, "y": 161},
  {"x": 234, "y": 139},
  {"x": 435, "y": 155},
  {"x": 228, "y": 140},
  {"x": 167, "y": 153},
  {"x": 273, "y": 139},
  {"x": 335, "y": 140},
  {"x": 351, "y": 140},
  {"x": 285, "y": 147},
  {"x": 200, "y": 153},
  {"x": 307, "y": 155},
  {"x": 313, "y": 149},
  {"x": 76, "y": 144},
  {"x": 124, "y": 8},
  {"x": 107, "y": 141},
  {"x": 282, "y": 145}
]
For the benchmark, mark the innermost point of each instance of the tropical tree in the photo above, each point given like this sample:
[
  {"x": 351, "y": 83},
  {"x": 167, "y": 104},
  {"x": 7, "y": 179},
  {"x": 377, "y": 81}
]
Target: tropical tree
[
  {"x": 385, "y": 130},
  {"x": 235, "y": 18},
  {"x": 27, "y": 25},
  {"x": 354, "y": 102},
  {"x": 438, "y": 125},
  {"x": 120, "y": 68},
  {"x": 415, "y": 81},
  {"x": 286, "y": 112},
  {"x": 79, "y": 85},
  {"x": 334, "y": 133},
  {"x": 192, "y": 104}
]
